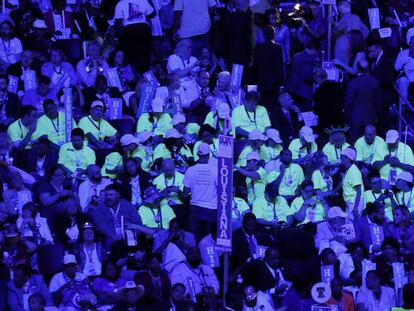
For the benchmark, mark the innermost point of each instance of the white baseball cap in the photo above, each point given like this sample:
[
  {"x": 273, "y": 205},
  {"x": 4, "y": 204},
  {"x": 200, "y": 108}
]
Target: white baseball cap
[
  {"x": 97, "y": 103},
  {"x": 307, "y": 134},
  {"x": 203, "y": 149},
  {"x": 254, "y": 155},
  {"x": 406, "y": 176},
  {"x": 69, "y": 259},
  {"x": 157, "y": 105},
  {"x": 173, "y": 133},
  {"x": 349, "y": 153},
  {"x": 391, "y": 137},
  {"x": 336, "y": 211},
  {"x": 128, "y": 139},
  {"x": 257, "y": 135},
  {"x": 275, "y": 135},
  {"x": 178, "y": 118},
  {"x": 39, "y": 24}
]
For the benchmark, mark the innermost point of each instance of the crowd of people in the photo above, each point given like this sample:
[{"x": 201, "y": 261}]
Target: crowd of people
[{"x": 110, "y": 116}]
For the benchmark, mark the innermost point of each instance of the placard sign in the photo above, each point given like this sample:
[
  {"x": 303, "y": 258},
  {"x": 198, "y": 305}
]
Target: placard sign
[
  {"x": 374, "y": 18},
  {"x": 67, "y": 101},
  {"x": 147, "y": 94},
  {"x": 29, "y": 80},
  {"x": 113, "y": 79},
  {"x": 236, "y": 75},
  {"x": 115, "y": 109}
]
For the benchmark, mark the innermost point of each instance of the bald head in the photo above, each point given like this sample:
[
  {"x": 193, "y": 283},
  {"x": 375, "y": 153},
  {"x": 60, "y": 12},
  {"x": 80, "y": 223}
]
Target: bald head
[
  {"x": 94, "y": 173},
  {"x": 370, "y": 133}
]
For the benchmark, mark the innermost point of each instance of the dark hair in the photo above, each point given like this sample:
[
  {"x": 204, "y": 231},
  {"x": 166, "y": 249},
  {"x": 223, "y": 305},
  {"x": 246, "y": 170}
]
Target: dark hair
[
  {"x": 252, "y": 96},
  {"x": 374, "y": 272},
  {"x": 247, "y": 217},
  {"x": 390, "y": 241},
  {"x": 374, "y": 174},
  {"x": 131, "y": 160},
  {"x": 372, "y": 207},
  {"x": 38, "y": 296},
  {"x": 408, "y": 296},
  {"x": 111, "y": 60},
  {"x": 43, "y": 79},
  {"x": 31, "y": 207},
  {"x": 109, "y": 262},
  {"x": 178, "y": 285},
  {"x": 269, "y": 250},
  {"x": 4, "y": 77},
  {"x": 25, "y": 269},
  {"x": 114, "y": 187},
  {"x": 55, "y": 168},
  {"x": 269, "y": 32},
  {"x": 306, "y": 183},
  {"x": 77, "y": 132},
  {"x": 156, "y": 256},
  {"x": 272, "y": 12},
  {"x": 8, "y": 23},
  {"x": 26, "y": 110},
  {"x": 358, "y": 244},
  {"x": 101, "y": 77},
  {"x": 48, "y": 101}
]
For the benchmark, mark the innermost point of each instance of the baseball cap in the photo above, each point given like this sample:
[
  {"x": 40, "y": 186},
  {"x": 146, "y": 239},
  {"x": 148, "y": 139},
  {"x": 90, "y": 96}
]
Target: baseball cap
[
  {"x": 88, "y": 225},
  {"x": 257, "y": 135},
  {"x": 39, "y": 24},
  {"x": 178, "y": 118},
  {"x": 97, "y": 103},
  {"x": 173, "y": 133},
  {"x": 406, "y": 176},
  {"x": 307, "y": 134},
  {"x": 274, "y": 134},
  {"x": 157, "y": 105},
  {"x": 223, "y": 110},
  {"x": 350, "y": 153},
  {"x": 254, "y": 155},
  {"x": 203, "y": 149},
  {"x": 391, "y": 137},
  {"x": 128, "y": 139},
  {"x": 144, "y": 136},
  {"x": 336, "y": 211},
  {"x": 69, "y": 259}
]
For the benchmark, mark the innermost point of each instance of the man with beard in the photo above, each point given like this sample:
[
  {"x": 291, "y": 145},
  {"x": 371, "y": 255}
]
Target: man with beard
[
  {"x": 76, "y": 156},
  {"x": 371, "y": 226},
  {"x": 90, "y": 190},
  {"x": 367, "y": 145},
  {"x": 110, "y": 215},
  {"x": 255, "y": 300},
  {"x": 194, "y": 275}
]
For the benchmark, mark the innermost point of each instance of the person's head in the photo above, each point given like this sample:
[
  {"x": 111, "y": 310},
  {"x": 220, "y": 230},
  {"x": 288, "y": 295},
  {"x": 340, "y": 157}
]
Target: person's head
[
  {"x": 374, "y": 50},
  {"x": 183, "y": 48},
  {"x": 272, "y": 257},
  {"x": 94, "y": 50},
  {"x": 249, "y": 223},
  {"x": 70, "y": 206},
  {"x": 26, "y": 58},
  {"x": 285, "y": 100},
  {"x": 337, "y": 138},
  {"x": 117, "y": 58},
  {"x": 306, "y": 135},
  {"x": 336, "y": 218},
  {"x": 56, "y": 56},
  {"x": 358, "y": 251},
  {"x": 132, "y": 293},
  {"x": 154, "y": 263},
  {"x": 57, "y": 174},
  {"x": 344, "y": 8},
  {"x": 307, "y": 190},
  {"x": 129, "y": 143},
  {"x": 253, "y": 161},
  {"x": 203, "y": 78},
  {"x": 370, "y": 133},
  {"x": 408, "y": 296},
  {"x": 348, "y": 157},
  {"x": 101, "y": 83},
  {"x": 401, "y": 215},
  {"x": 269, "y": 33},
  {"x": 286, "y": 156},
  {"x": 36, "y": 302},
  {"x": 327, "y": 257},
  {"x": 50, "y": 109},
  {"x": 94, "y": 173},
  {"x": 43, "y": 83},
  {"x": 392, "y": 138},
  {"x": 70, "y": 265},
  {"x": 112, "y": 195},
  {"x": 272, "y": 18},
  {"x": 376, "y": 212},
  {"x": 177, "y": 292},
  {"x": 21, "y": 275},
  {"x": 207, "y": 133},
  {"x": 316, "y": 9},
  {"x": 88, "y": 232},
  {"x": 15, "y": 181},
  {"x": 251, "y": 100},
  {"x": 168, "y": 168},
  {"x": 223, "y": 80},
  {"x": 404, "y": 181},
  {"x": 372, "y": 280},
  {"x": 77, "y": 137},
  {"x": 194, "y": 257},
  {"x": 6, "y": 29},
  {"x": 375, "y": 181},
  {"x": 390, "y": 248},
  {"x": 97, "y": 110},
  {"x": 131, "y": 167},
  {"x": 28, "y": 113},
  {"x": 4, "y": 82},
  {"x": 110, "y": 270}
]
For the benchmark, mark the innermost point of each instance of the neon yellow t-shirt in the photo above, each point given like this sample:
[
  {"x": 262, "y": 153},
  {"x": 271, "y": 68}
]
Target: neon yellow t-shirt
[
  {"x": 99, "y": 129},
  {"x": 352, "y": 178},
  {"x": 256, "y": 188},
  {"x": 270, "y": 211},
  {"x": 161, "y": 183},
  {"x": 298, "y": 152},
  {"x": 407, "y": 199},
  {"x": 239, "y": 208},
  {"x": 158, "y": 127},
  {"x": 161, "y": 151},
  {"x": 263, "y": 152},
  {"x": 321, "y": 183},
  {"x": 54, "y": 129},
  {"x": 370, "y": 197},
  {"x": 17, "y": 132},
  {"x": 334, "y": 154},
  {"x": 315, "y": 214},
  {"x": 249, "y": 121},
  {"x": 365, "y": 152},
  {"x": 291, "y": 180},
  {"x": 274, "y": 151},
  {"x": 73, "y": 159},
  {"x": 112, "y": 162},
  {"x": 146, "y": 156},
  {"x": 158, "y": 217}
]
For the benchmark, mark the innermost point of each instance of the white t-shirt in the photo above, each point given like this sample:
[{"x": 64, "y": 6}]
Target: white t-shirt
[
  {"x": 202, "y": 180},
  {"x": 195, "y": 20},
  {"x": 176, "y": 62},
  {"x": 10, "y": 50},
  {"x": 61, "y": 279},
  {"x": 133, "y": 11}
]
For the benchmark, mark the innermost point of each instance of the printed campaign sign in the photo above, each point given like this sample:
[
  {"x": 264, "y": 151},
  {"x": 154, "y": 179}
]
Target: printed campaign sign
[
  {"x": 156, "y": 27},
  {"x": 377, "y": 234},
  {"x": 176, "y": 104},
  {"x": 151, "y": 78},
  {"x": 385, "y": 32},
  {"x": 212, "y": 257},
  {"x": 113, "y": 79},
  {"x": 225, "y": 191},
  {"x": 67, "y": 101},
  {"x": 260, "y": 251},
  {"x": 115, "y": 108},
  {"x": 374, "y": 18},
  {"x": 399, "y": 275},
  {"x": 236, "y": 75},
  {"x": 348, "y": 231},
  {"x": 13, "y": 84},
  {"x": 29, "y": 80},
  {"x": 327, "y": 274},
  {"x": 147, "y": 95},
  {"x": 331, "y": 71}
]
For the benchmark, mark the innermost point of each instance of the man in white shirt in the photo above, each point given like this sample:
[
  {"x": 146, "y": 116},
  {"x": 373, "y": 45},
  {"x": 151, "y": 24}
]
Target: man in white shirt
[
  {"x": 90, "y": 190},
  {"x": 201, "y": 181}
]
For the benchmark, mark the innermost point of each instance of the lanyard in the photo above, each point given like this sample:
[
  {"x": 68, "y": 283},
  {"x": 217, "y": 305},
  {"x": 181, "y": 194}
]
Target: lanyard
[
  {"x": 98, "y": 127},
  {"x": 21, "y": 129},
  {"x": 78, "y": 159},
  {"x": 273, "y": 206},
  {"x": 57, "y": 126},
  {"x": 89, "y": 252},
  {"x": 115, "y": 214},
  {"x": 166, "y": 181},
  {"x": 248, "y": 115},
  {"x": 158, "y": 217}
]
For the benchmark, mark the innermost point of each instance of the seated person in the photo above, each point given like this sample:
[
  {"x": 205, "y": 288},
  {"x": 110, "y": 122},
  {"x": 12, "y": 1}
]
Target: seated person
[
  {"x": 337, "y": 143},
  {"x": 21, "y": 130},
  {"x": 43, "y": 91},
  {"x": 155, "y": 121},
  {"x": 303, "y": 147},
  {"x": 256, "y": 143}
]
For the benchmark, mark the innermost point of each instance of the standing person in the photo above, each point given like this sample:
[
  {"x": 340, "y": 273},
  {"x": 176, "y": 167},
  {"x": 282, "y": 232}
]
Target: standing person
[
  {"x": 268, "y": 65},
  {"x": 201, "y": 181},
  {"x": 362, "y": 101},
  {"x": 192, "y": 21},
  {"x": 135, "y": 33}
]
